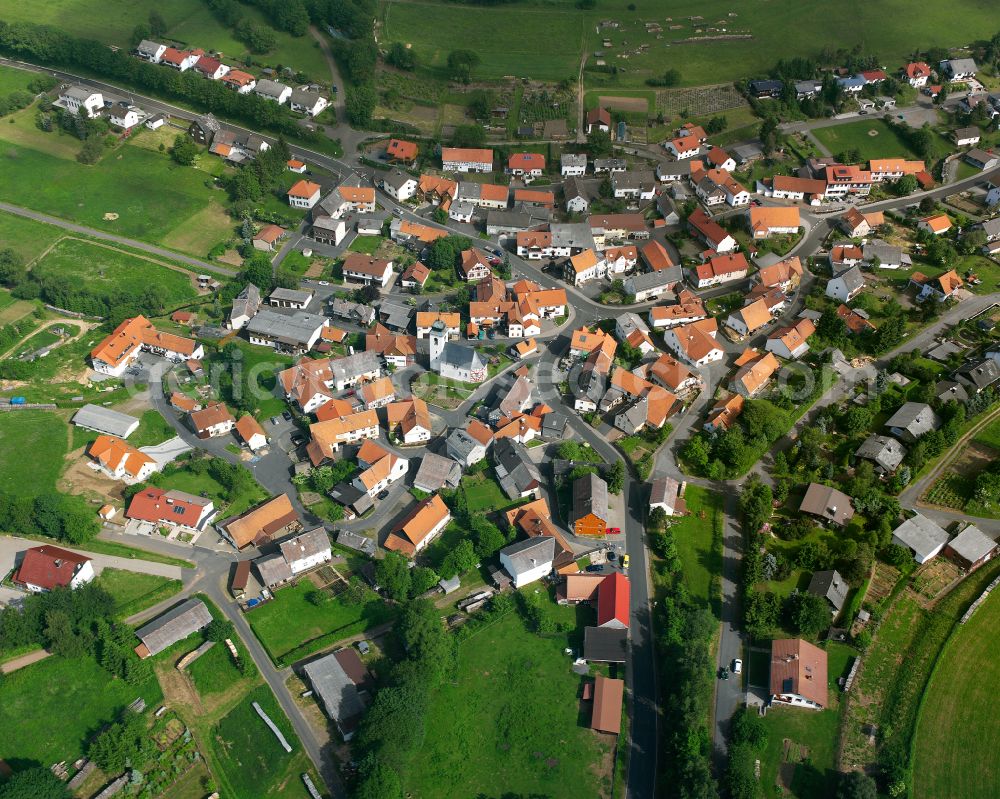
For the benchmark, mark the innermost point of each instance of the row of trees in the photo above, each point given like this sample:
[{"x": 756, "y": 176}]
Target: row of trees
[
  {"x": 47, "y": 45},
  {"x": 64, "y": 517}
]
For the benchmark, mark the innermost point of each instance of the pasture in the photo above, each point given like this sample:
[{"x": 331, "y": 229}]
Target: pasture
[
  {"x": 956, "y": 744},
  {"x": 40, "y": 435},
  {"x": 152, "y": 197},
  {"x": 109, "y": 272},
  {"x": 721, "y": 43},
  {"x": 188, "y": 21},
  {"x": 492, "y": 725},
  {"x": 250, "y": 759},
  {"x": 51, "y": 709}
]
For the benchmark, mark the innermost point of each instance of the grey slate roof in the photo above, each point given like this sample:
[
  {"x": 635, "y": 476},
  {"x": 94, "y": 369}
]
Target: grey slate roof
[
  {"x": 525, "y": 555},
  {"x": 573, "y": 159},
  {"x": 554, "y": 425},
  {"x": 176, "y": 624},
  {"x": 148, "y": 48},
  {"x": 290, "y": 295},
  {"x": 666, "y": 169},
  {"x": 921, "y": 535},
  {"x": 830, "y": 585},
  {"x": 972, "y": 544},
  {"x": 852, "y": 279},
  {"x": 885, "y": 451},
  {"x": 605, "y": 644},
  {"x": 885, "y": 252},
  {"x": 269, "y": 88},
  {"x": 305, "y": 545},
  {"x": 515, "y": 470},
  {"x": 105, "y": 420},
  {"x": 295, "y": 328},
  {"x": 991, "y": 227},
  {"x": 437, "y": 472},
  {"x": 980, "y": 374},
  {"x": 359, "y": 543},
  {"x": 350, "y": 367},
  {"x": 460, "y": 444},
  {"x": 78, "y": 92},
  {"x": 462, "y": 356},
  {"x": 946, "y": 390},
  {"x": 576, "y": 235},
  {"x": 355, "y": 311},
  {"x": 273, "y": 570},
  {"x": 651, "y": 280},
  {"x": 514, "y": 399},
  {"x": 304, "y": 97},
  {"x": 397, "y": 178},
  {"x": 336, "y": 692},
  {"x": 590, "y": 495},
  {"x": 914, "y": 419}
]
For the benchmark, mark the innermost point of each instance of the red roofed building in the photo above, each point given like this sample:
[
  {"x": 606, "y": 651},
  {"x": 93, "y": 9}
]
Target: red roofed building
[
  {"x": 46, "y": 567},
  {"x": 401, "y": 150},
  {"x": 917, "y": 73},
  {"x": 613, "y": 601},
  {"x": 156, "y": 506},
  {"x": 526, "y": 165}
]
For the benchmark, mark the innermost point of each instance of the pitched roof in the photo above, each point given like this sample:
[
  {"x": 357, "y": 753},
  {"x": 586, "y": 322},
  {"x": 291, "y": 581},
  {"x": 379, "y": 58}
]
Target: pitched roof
[
  {"x": 763, "y": 218},
  {"x": 112, "y": 452},
  {"x": 173, "y": 626},
  {"x": 49, "y": 566},
  {"x": 827, "y": 503},
  {"x": 755, "y": 315},
  {"x": 799, "y": 668},
  {"x": 304, "y": 189},
  {"x": 753, "y": 376},
  {"x": 608, "y": 696},
  {"x": 401, "y": 150},
  {"x": 605, "y": 644},
  {"x": 134, "y": 333},
  {"x": 830, "y": 585},
  {"x": 258, "y": 524},
  {"x": 466, "y": 155},
  {"x": 921, "y": 535},
  {"x": 528, "y": 553},
  {"x": 154, "y": 504},
  {"x": 590, "y": 496},
  {"x": 613, "y": 599},
  {"x": 721, "y": 265},
  {"x": 780, "y": 272},
  {"x": 526, "y": 161},
  {"x": 656, "y": 256},
  {"x": 248, "y": 427},
  {"x": 972, "y": 544},
  {"x": 209, "y": 416},
  {"x": 938, "y": 223},
  {"x": 417, "y": 525}
]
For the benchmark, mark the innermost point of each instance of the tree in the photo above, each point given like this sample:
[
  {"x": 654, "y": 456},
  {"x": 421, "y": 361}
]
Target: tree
[
  {"x": 392, "y": 573},
  {"x": 157, "y": 25},
  {"x": 257, "y": 269},
  {"x": 34, "y": 783},
  {"x": 219, "y": 630},
  {"x": 359, "y": 104},
  {"x": 379, "y": 782},
  {"x": 755, "y": 503},
  {"x": 461, "y": 63},
  {"x": 92, "y": 150},
  {"x": 906, "y": 185},
  {"x": 599, "y": 144},
  {"x": 402, "y": 57},
  {"x": 857, "y": 785},
  {"x": 671, "y": 77},
  {"x": 459, "y": 560},
  {"x": 749, "y": 728},
  {"x": 616, "y": 477},
  {"x": 489, "y": 539},
  {"x": 422, "y": 579},
  {"x": 809, "y": 613},
  {"x": 123, "y": 743},
  {"x": 761, "y": 613},
  {"x": 184, "y": 150},
  {"x": 468, "y": 136}
]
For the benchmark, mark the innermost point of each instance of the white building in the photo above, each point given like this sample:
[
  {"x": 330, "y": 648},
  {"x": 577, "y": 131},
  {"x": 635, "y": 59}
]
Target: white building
[
  {"x": 79, "y": 99},
  {"x": 529, "y": 560},
  {"x": 573, "y": 165}
]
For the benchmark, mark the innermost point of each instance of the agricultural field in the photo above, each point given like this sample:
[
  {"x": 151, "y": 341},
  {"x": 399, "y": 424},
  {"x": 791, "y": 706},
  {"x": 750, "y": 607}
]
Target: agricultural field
[
  {"x": 44, "y": 436},
  {"x": 134, "y": 592},
  {"x": 188, "y": 21},
  {"x": 252, "y": 762},
  {"x": 51, "y": 709},
  {"x": 292, "y": 626},
  {"x": 120, "y": 186},
  {"x": 956, "y": 740},
  {"x": 721, "y": 44},
  {"x": 26, "y": 237},
  {"x": 497, "y": 716}
]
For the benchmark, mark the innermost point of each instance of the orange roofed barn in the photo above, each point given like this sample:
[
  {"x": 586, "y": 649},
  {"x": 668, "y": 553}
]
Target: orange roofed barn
[{"x": 419, "y": 527}]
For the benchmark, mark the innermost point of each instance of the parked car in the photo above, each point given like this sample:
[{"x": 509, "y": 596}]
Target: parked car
[
  {"x": 383, "y": 495},
  {"x": 287, "y": 416},
  {"x": 363, "y": 647},
  {"x": 625, "y": 561},
  {"x": 613, "y": 531},
  {"x": 723, "y": 673},
  {"x": 737, "y": 666},
  {"x": 594, "y": 567},
  {"x": 275, "y": 420}
]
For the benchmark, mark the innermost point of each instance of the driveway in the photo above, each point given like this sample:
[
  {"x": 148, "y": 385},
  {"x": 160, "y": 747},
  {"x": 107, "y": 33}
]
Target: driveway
[
  {"x": 167, "y": 451},
  {"x": 12, "y": 547}
]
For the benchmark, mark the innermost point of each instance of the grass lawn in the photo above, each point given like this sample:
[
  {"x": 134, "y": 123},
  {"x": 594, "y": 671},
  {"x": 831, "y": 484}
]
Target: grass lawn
[
  {"x": 367, "y": 244},
  {"x": 989, "y": 435},
  {"x": 109, "y": 272},
  {"x": 956, "y": 749},
  {"x": 857, "y": 136},
  {"x": 214, "y": 672},
  {"x": 49, "y": 710},
  {"x": 103, "y": 547},
  {"x": 693, "y": 534},
  {"x": 134, "y": 592},
  {"x": 291, "y": 625},
  {"x": 186, "y": 480},
  {"x": 483, "y": 493},
  {"x": 26, "y": 237},
  {"x": 39, "y": 435},
  {"x": 119, "y": 184},
  {"x": 14, "y": 80},
  {"x": 188, "y": 21},
  {"x": 815, "y": 731},
  {"x": 252, "y": 762},
  {"x": 513, "y": 722},
  {"x": 153, "y": 429}
]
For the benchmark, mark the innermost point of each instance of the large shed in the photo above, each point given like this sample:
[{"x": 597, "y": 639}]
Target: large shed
[
  {"x": 105, "y": 420},
  {"x": 175, "y": 625}
]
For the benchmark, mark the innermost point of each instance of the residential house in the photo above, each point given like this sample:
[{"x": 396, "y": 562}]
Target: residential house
[
  {"x": 695, "y": 343},
  {"x": 683, "y": 147},
  {"x": 308, "y": 102},
  {"x": 414, "y": 277},
  {"x": 239, "y": 81},
  {"x": 884, "y": 255},
  {"x": 785, "y": 274},
  {"x": 517, "y": 474},
  {"x": 119, "y": 460},
  {"x": 718, "y": 186},
  {"x": 367, "y": 269},
  {"x": 212, "y": 68},
  {"x": 48, "y": 567},
  {"x": 828, "y": 504},
  {"x": 665, "y": 493},
  {"x": 296, "y": 333},
  {"x": 749, "y": 319},
  {"x": 295, "y": 556},
  {"x": 613, "y": 607},
  {"x": 399, "y": 185},
  {"x": 941, "y": 288},
  {"x": 410, "y": 420},
  {"x": 578, "y": 194},
  {"x": 957, "y": 69},
  {"x": 842, "y": 180},
  {"x": 650, "y": 285},
  {"x": 401, "y": 151},
  {"x": 584, "y": 267},
  {"x": 798, "y": 674},
  {"x": 273, "y": 90},
  {"x": 473, "y": 266},
  {"x": 979, "y": 375},
  {"x": 924, "y": 538},
  {"x": 336, "y": 691},
  {"x": 81, "y": 100},
  {"x": 261, "y": 523},
  {"x": 754, "y": 373},
  {"x": 529, "y": 559},
  {"x": 791, "y": 342},
  {"x": 634, "y": 185},
  {"x": 419, "y": 527},
  {"x": 831, "y": 586},
  {"x": 251, "y": 432},
  {"x": 456, "y": 159},
  {"x": 175, "y": 508},
  {"x": 119, "y": 350},
  {"x": 847, "y": 285},
  {"x": 212, "y": 421},
  {"x": 150, "y": 51},
  {"x": 724, "y": 413},
  {"x": 598, "y": 119},
  {"x": 327, "y": 230},
  {"x": 766, "y": 89},
  {"x": 768, "y": 221},
  {"x": 674, "y": 171},
  {"x": 589, "y": 514},
  {"x": 673, "y": 375},
  {"x": 175, "y": 625},
  {"x": 330, "y": 434},
  {"x": 981, "y": 159},
  {"x": 719, "y": 269},
  {"x": 468, "y": 445},
  {"x": 347, "y": 198},
  {"x": 893, "y": 169},
  {"x": 710, "y": 232},
  {"x": 785, "y": 187},
  {"x": 304, "y": 194},
  {"x": 573, "y": 165},
  {"x": 526, "y": 165},
  {"x": 621, "y": 260},
  {"x": 885, "y": 452},
  {"x": 379, "y": 469},
  {"x": 916, "y": 73},
  {"x": 717, "y": 158},
  {"x": 935, "y": 225},
  {"x": 855, "y": 319}
]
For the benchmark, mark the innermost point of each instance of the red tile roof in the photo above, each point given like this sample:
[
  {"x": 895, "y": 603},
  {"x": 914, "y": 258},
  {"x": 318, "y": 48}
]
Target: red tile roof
[
  {"x": 49, "y": 566},
  {"x": 613, "y": 600}
]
